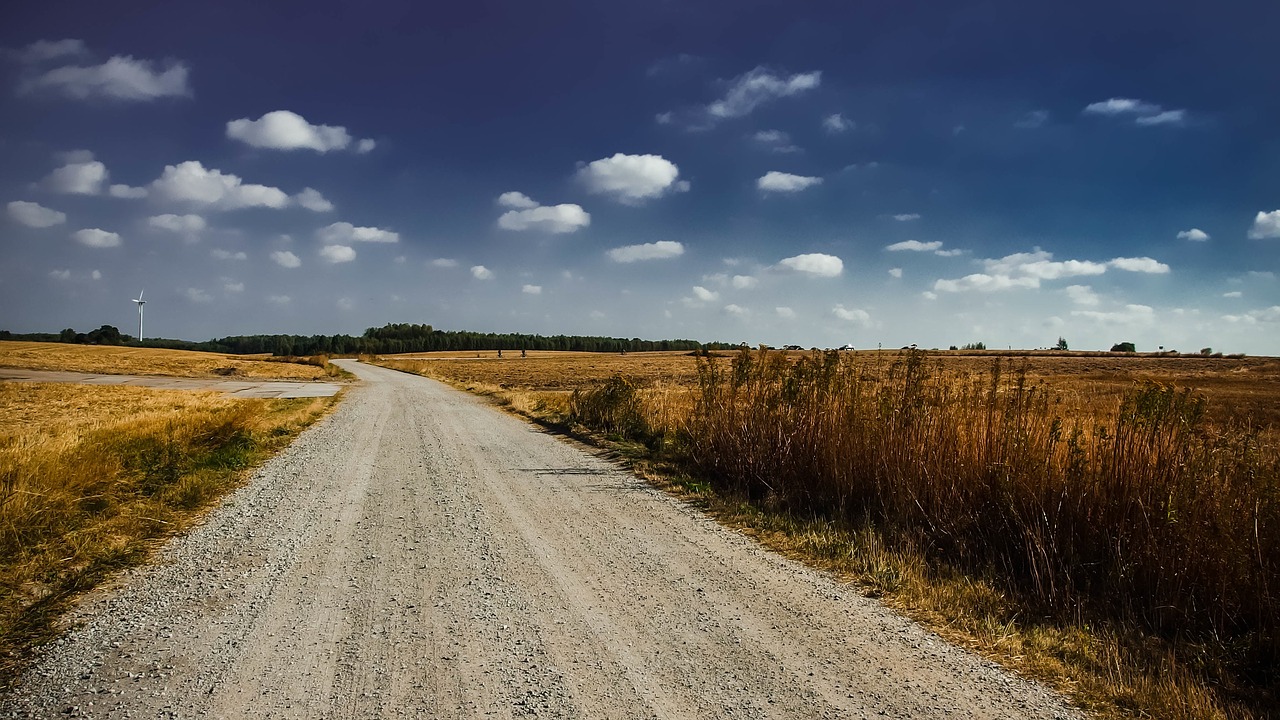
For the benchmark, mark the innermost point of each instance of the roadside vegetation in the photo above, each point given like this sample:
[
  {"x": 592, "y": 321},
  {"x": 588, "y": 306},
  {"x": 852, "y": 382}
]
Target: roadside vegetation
[
  {"x": 1118, "y": 540},
  {"x": 91, "y": 476}
]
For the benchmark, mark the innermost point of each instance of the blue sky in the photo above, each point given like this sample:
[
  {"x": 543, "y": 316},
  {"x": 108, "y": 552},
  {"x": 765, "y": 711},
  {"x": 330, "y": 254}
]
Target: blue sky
[{"x": 808, "y": 173}]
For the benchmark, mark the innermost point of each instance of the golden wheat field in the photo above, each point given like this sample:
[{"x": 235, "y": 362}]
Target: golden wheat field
[{"x": 116, "y": 360}]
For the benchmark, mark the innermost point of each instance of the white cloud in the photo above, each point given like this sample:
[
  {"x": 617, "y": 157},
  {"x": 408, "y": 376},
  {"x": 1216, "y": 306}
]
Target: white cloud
[
  {"x": 1253, "y": 317},
  {"x": 127, "y": 192},
  {"x": 220, "y": 254},
  {"x": 906, "y": 217},
  {"x": 1140, "y": 264},
  {"x": 481, "y": 272},
  {"x": 1265, "y": 225},
  {"x": 750, "y": 90},
  {"x": 60, "y": 274},
  {"x": 704, "y": 294},
  {"x": 785, "y": 313},
  {"x": 279, "y": 299},
  {"x": 660, "y": 250},
  {"x": 736, "y": 310},
  {"x": 744, "y": 282},
  {"x": 35, "y": 215},
  {"x": 565, "y": 218},
  {"x": 1144, "y": 113},
  {"x": 985, "y": 283},
  {"x": 776, "y": 140},
  {"x": 120, "y": 78},
  {"x": 1039, "y": 264},
  {"x": 284, "y": 130},
  {"x": 286, "y": 259},
  {"x": 45, "y": 50},
  {"x": 335, "y": 254},
  {"x": 188, "y": 224},
  {"x": 531, "y": 289},
  {"x": 1082, "y": 295},
  {"x": 311, "y": 199},
  {"x": 631, "y": 179},
  {"x": 345, "y": 303},
  {"x": 196, "y": 295},
  {"x": 1033, "y": 119},
  {"x": 365, "y": 146},
  {"x": 191, "y": 182},
  {"x": 1130, "y": 315},
  {"x": 345, "y": 232},
  {"x": 516, "y": 200},
  {"x": 444, "y": 263},
  {"x": 1233, "y": 294},
  {"x": 949, "y": 253},
  {"x": 915, "y": 246},
  {"x": 774, "y": 181},
  {"x": 836, "y": 123},
  {"x": 856, "y": 316},
  {"x": 1194, "y": 234},
  {"x": 93, "y": 237},
  {"x": 78, "y": 178},
  {"x": 814, "y": 264},
  {"x": 232, "y": 286},
  {"x": 895, "y": 272}
]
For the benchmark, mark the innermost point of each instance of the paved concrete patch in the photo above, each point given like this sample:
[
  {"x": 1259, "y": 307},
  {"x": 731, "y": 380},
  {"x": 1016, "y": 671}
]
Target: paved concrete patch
[{"x": 236, "y": 388}]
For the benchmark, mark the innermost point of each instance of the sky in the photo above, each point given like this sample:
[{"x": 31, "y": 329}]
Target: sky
[{"x": 818, "y": 174}]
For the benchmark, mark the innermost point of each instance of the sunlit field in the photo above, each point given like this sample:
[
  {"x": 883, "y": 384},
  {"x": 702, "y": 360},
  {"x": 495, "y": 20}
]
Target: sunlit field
[
  {"x": 1109, "y": 524},
  {"x": 118, "y": 360}
]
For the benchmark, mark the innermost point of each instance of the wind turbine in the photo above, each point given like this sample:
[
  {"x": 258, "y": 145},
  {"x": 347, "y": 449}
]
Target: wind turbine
[{"x": 140, "y": 302}]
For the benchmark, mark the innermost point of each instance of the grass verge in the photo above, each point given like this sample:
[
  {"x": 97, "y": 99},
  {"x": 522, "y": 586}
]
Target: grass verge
[
  {"x": 913, "y": 484},
  {"x": 92, "y": 476}
]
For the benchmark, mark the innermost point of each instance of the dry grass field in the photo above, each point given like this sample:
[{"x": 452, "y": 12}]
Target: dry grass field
[
  {"x": 115, "y": 360},
  {"x": 1107, "y": 524},
  {"x": 91, "y": 476}
]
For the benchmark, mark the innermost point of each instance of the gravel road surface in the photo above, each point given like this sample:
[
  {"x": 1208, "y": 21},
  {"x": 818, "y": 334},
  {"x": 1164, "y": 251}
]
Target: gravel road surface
[{"x": 419, "y": 554}]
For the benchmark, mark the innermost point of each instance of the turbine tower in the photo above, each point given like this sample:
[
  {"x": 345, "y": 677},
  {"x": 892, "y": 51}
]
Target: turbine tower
[{"x": 140, "y": 302}]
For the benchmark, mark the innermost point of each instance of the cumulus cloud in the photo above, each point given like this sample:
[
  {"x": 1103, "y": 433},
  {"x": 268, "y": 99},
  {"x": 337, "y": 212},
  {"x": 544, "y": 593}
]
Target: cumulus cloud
[
  {"x": 985, "y": 283},
  {"x": 949, "y": 253},
  {"x": 220, "y": 254},
  {"x": 1253, "y": 317},
  {"x": 42, "y": 51},
  {"x": 817, "y": 264},
  {"x": 565, "y": 218},
  {"x": 279, "y": 299},
  {"x": 481, "y": 272},
  {"x": 836, "y": 123},
  {"x": 35, "y": 215},
  {"x": 752, "y": 89},
  {"x": 531, "y": 289},
  {"x": 444, "y": 263},
  {"x": 345, "y": 232},
  {"x": 1233, "y": 294},
  {"x": 1140, "y": 265},
  {"x": 120, "y": 78},
  {"x": 284, "y": 130},
  {"x": 914, "y": 246},
  {"x": 232, "y": 286},
  {"x": 94, "y": 237},
  {"x": 775, "y": 140},
  {"x": 191, "y": 182},
  {"x": 516, "y": 200},
  {"x": 736, "y": 310},
  {"x": 704, "y": 294},
  {"x": 1040, "y": 265},
  {"x": 1266, "y": 225},
  {"x": 785, "y": 313},
  {"x": 857, "y": 316},
  {"x": 660, "y": 250},
  {"x": 311, "y": 199},
  {"x": 196, "y": 295},
  {"x": 188, "y": 224},
  {"x": 1143, "y": 113},
  {"x": 127, "y": 192},
  {"x": 631, "y": 179},
  {"x": 1082, "y": 295},
  {"x": 286, "y": 259},
  {"x": 774, "y": 181},
  {"x": 1194, "y": 234},
  {"x": 895, "y": 272},
  {"x": 78, "y": 178},
  {"x": 744, "y": 282},
  {"x": 334, "y": 254},
  {"x": 1130, "y": 315}
]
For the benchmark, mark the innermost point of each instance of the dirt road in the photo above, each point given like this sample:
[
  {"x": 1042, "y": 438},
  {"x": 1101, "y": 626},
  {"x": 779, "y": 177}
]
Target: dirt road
[{"x": 419, "y": 554}]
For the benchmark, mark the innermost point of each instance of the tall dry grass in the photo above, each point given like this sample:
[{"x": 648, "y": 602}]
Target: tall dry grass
[
  {"x": 90, "y": 474},
  {"x": 1137, "y": 516}
]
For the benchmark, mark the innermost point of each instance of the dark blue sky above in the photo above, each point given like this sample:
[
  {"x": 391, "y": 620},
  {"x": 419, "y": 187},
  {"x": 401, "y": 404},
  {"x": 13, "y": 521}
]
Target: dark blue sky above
[{"x": 1053, "y": 219}]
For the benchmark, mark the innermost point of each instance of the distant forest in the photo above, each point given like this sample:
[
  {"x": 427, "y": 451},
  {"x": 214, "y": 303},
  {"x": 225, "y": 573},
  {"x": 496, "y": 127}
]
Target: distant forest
[{"x": 386, "y": 340}]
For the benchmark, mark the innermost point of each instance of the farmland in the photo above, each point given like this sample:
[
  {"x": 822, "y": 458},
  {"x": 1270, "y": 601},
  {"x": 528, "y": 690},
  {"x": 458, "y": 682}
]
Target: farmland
[
  {"x": 1110, "y": 524},
  {"x": 152, "y": 361}
]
